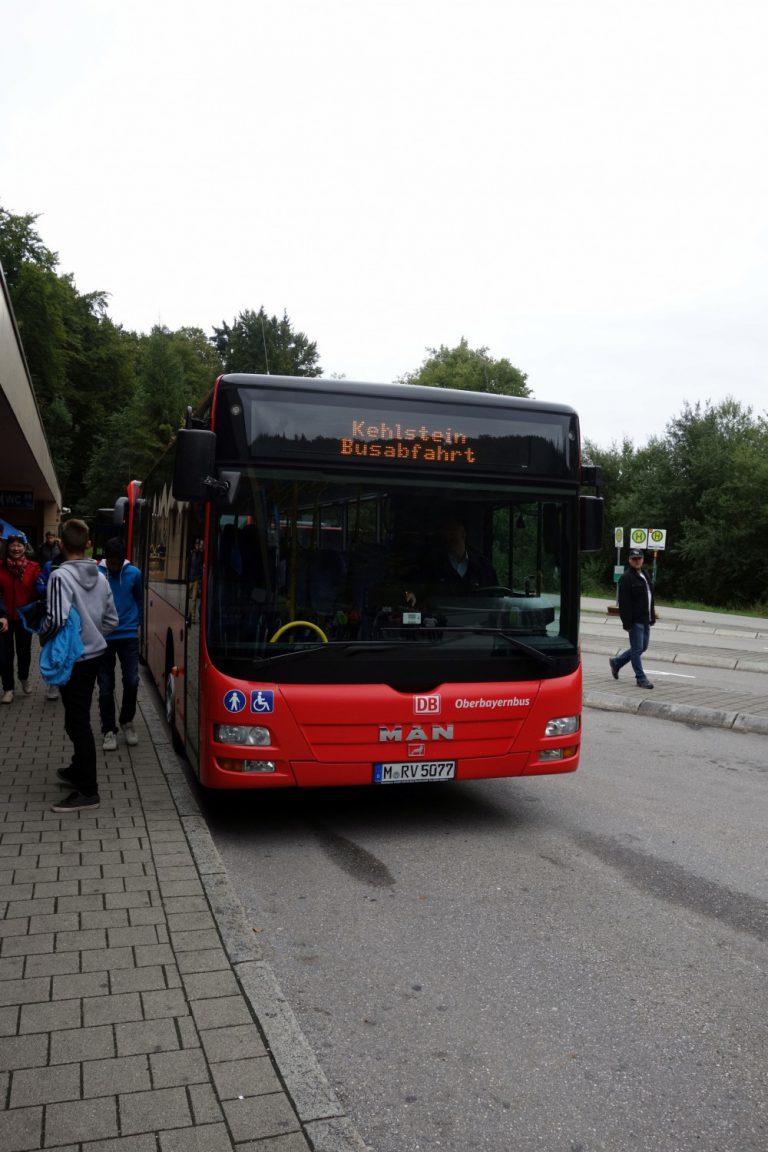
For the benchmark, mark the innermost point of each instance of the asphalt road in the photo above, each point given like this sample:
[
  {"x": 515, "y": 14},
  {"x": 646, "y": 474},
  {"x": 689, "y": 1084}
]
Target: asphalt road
[{"x": 573, "y": 964}]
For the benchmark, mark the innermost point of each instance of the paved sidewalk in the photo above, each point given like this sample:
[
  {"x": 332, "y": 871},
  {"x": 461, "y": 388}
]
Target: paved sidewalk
[
  {"x": 682, "y": 637},
  {"x": 136, "y": 1012}
]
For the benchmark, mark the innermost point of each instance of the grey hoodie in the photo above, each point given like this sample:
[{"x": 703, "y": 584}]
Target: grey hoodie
[{"x": 79, "y": 582}]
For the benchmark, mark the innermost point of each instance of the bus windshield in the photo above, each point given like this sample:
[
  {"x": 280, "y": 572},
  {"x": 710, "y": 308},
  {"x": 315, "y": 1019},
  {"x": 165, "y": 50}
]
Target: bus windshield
[{"x": 325, "y": 577}]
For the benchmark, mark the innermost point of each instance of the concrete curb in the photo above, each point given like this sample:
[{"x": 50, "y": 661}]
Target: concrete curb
[
  {"x": 683, "y": 713},
  {"x": 609, "y": 647},
  {"x": 316, "y": 1104}
]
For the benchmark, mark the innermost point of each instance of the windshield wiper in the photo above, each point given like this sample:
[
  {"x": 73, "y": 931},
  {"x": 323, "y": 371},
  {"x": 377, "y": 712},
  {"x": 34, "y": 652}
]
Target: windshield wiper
[
  {"x": 342, "y": 647},
  {"x": 347, "y": 648},
  {"x": 513, "y": 638}
]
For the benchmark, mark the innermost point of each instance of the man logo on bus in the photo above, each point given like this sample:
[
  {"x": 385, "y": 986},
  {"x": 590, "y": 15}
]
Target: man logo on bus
[
  {"x": 234, "y": 701},
  {"x": 262, "y": 700},
  {"x": 426, "y": 705}
]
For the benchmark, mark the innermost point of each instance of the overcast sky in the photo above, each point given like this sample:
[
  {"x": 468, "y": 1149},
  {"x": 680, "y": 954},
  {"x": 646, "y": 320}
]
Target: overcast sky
[{"x": 579, "y": 185}]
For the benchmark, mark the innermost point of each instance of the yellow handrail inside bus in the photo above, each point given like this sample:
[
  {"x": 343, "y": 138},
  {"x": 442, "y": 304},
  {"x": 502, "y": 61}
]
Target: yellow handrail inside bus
[{"x": 299, "y": 624}]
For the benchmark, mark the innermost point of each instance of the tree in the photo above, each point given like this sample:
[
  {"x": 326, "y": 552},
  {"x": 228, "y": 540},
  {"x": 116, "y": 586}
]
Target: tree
[
  {"x": 705, "y": 481},
  {"x": 172, "y": 370},
  {"x": 20, "y": 245},
  {"x": 77, "y": 358},
  {"x": 717, "y": 476},
  {"x": 256, "y": 342},
  {"x": 470, "y": 369}
]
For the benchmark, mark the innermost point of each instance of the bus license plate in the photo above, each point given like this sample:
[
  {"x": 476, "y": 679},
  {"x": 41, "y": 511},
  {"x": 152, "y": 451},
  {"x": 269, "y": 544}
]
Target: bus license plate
[{"x": 413, "y": 771}]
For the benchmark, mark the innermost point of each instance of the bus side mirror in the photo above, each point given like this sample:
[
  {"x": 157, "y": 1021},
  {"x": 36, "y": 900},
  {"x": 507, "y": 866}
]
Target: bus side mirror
[
  {"x": 120, "y": 512},
  {"x": 590, "y": 523},
  {"x": 195, "y": 462}
]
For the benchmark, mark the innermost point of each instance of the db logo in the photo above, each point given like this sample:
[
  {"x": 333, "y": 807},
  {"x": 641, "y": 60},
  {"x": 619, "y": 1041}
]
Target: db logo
[{"x": 426, "y": 705}]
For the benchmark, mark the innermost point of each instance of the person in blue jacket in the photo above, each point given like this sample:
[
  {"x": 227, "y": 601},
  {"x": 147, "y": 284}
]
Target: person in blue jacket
[{"x": 125, "y": 582}]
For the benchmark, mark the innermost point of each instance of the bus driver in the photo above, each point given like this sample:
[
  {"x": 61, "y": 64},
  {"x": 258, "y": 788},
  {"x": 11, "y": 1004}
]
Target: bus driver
[{"x": 457, "y": 569}]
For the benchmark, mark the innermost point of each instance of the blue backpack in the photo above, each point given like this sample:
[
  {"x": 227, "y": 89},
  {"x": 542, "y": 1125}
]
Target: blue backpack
[{"x": 58, "y": 655}]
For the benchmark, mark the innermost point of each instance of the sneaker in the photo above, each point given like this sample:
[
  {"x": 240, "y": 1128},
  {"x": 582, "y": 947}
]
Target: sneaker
[
  {"x": 7, "y": 698},
  {"x": 109, "y": 743},
  {"x": 130, "y": 734},
  {"x": 644, "y": 684},
  {"x": 26, "y": 687},
  {"x": 614, "y": 669},
  {"x": 52, "y": 693},
  {"x": 76, "y": 802}
]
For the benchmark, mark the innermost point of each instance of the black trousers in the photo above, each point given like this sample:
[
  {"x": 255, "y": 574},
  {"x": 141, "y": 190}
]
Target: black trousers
[
  {"x": 77, "y": 696},
  {"x": 16, "y": 637}
]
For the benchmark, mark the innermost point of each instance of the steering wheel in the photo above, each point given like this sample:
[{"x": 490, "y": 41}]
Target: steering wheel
[
  {"x": 492, "y": 590},
  {"x": 299, "y": 624}
]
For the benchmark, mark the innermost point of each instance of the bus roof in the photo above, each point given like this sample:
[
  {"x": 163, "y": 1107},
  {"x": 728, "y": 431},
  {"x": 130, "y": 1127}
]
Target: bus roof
[{"x": 410, "y": 392}]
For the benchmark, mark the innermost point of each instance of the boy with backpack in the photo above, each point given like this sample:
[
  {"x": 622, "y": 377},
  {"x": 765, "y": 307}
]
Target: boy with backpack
[{"x": 78, "y": 584}]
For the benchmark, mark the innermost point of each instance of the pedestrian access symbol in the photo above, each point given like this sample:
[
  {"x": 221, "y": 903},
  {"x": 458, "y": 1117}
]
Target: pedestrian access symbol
[
  {"x": 234, "y": 700},
  {"x": 262, "y": 700}
]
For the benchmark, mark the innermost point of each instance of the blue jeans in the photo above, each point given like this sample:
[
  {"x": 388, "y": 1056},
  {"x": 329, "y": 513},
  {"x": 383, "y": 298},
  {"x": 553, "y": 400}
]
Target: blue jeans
[
  {"x": 639, "y": 638},
  {"x": 127, "y": 652}
]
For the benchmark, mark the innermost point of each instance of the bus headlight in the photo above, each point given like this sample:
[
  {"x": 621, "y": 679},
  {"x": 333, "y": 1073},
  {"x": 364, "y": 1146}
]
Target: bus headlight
[
  {"x": 562, "y": 726},
  {"x": 251, "y": 737}
]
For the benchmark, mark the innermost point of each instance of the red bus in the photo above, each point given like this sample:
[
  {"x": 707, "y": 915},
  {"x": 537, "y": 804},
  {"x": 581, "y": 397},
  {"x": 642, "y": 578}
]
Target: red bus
[{"x": 339, "y": 641}]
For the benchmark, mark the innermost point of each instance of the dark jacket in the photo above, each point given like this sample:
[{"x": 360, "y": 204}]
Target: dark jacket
[
  {"x": 48, "y": 552},
  {"x": 479, "y": 574},
  {"x": 633, "y": 599}
]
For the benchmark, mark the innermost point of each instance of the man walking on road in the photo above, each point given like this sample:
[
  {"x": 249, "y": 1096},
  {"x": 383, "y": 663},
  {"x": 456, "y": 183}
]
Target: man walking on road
[{"x": 638, "y": 615}]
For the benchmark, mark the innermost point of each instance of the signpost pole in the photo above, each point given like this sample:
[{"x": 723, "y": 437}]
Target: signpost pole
[
  {"x": 657, "y": 539},
  {"x": 618, "y": 537}
]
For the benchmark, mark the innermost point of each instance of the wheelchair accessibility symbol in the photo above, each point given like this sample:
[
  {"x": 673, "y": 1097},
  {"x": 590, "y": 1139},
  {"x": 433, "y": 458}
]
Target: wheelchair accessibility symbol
[
  {"x": 234, "y": 701},
  {"x": 262, "y": 700}
]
